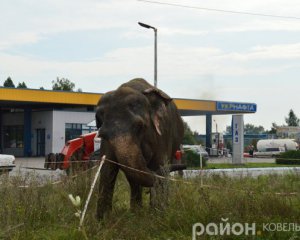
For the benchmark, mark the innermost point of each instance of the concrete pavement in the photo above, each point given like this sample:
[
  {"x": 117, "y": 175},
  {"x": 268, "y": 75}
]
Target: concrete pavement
[
  {"x": 23, "y": 163},
  {"x": 246, "y": 160},
  {"x": 35, "y": 162},
  {"x": 241, "y": 172}
]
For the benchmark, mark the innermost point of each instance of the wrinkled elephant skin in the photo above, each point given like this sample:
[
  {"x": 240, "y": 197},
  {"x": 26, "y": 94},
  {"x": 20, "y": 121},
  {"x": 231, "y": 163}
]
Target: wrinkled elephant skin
[{"x": 140, "y": 128}]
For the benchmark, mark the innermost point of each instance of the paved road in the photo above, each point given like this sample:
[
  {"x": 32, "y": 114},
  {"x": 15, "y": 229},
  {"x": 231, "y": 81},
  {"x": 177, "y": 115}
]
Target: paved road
[
  {"x": 241, "y": 172},
  {"x": 38, "y": 162},
  {"x": 247, "y": 160},
  {"x": 23, "y": 163}
]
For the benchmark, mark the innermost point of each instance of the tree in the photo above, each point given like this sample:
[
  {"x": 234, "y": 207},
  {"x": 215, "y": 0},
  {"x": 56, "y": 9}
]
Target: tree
[
  {"x": 228, "y": 130},
  {"x": 228, "y": 144},
  {"x": 273, "y": 128},
  {"x": 8, "y": 83},
  {"x": 248, "y": 129},
  {"x": 188, "y": 137},
  {"x": 292, "y": 120},
  {"x": 63, "y": 84},
  {"x": 22, "y": 85},
  {"x": 251, "y": 129}
]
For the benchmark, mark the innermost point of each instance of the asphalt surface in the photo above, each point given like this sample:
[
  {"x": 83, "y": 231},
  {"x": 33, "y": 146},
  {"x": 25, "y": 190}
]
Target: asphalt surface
[
  {"x": 246, "y": 160},
  {"x": 241, "y": 172},
  {"x": 25, "y": 166}
]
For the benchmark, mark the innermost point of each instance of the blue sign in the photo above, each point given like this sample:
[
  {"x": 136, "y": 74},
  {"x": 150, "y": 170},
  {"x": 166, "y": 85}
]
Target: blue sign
[{"x": 236, "y": 107}]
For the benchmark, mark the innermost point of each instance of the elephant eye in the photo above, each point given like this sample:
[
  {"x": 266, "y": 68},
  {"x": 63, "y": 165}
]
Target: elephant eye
[{"x": 135, "y": 106}]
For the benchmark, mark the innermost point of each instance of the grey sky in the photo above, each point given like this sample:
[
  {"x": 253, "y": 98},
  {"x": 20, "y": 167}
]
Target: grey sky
[{"x": 201, "y": 54}]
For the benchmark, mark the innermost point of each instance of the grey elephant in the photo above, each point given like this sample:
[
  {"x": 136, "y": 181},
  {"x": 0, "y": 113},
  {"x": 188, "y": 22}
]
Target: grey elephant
[{"x": 141, "y": 128}]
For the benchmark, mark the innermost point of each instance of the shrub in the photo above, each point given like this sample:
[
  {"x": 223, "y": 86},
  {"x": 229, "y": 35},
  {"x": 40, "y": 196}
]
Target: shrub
[
  {"x": 290, "y": 157},
  {"x": 192, "y": 159}
]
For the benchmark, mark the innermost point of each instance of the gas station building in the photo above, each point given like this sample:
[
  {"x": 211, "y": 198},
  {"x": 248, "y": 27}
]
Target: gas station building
[{"x": 38, "y": 122}]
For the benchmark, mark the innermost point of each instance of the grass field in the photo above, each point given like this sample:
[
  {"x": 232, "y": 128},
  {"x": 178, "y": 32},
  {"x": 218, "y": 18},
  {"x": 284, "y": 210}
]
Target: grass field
[{"x": 45, "y": 212}]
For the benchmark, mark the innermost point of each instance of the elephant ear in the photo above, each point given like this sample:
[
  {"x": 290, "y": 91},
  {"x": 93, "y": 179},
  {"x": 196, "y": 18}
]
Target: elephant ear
[
  {"x": 159, "y": 102},
  {"x": 98, "y": 120},
  {"x": 159, "y": 93},
  {"x": 103, "y": 101}
]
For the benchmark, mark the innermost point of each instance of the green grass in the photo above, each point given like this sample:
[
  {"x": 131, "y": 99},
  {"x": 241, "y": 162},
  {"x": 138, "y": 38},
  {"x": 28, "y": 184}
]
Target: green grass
[{"x": 46, "y": 212}]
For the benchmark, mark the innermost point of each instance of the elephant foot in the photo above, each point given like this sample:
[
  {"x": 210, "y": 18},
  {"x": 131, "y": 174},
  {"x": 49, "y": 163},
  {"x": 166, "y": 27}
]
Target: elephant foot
[
  {"x": 135, "y": 205},
  {"x": 103, "y": 214}
]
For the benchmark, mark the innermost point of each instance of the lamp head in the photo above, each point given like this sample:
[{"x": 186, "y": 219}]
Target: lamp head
[{"x": 146, "y": 25}]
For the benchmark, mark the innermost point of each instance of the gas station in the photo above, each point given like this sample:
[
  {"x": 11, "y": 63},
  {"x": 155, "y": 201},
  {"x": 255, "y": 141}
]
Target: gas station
[{"x": 36, "y": 122}]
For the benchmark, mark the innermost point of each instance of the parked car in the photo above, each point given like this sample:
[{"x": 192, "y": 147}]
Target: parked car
[
  {"x": 197, "y": 149},
  {"x": 247, "y": 155},
  {"x": 7, "y": 163},
  {"x": 269, "y": 152}
]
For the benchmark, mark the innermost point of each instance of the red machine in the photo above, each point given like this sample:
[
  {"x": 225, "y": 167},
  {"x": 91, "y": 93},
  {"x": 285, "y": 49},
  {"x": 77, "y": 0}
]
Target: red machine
[
  {"x": 77, "y": 150},
  {"x": 77, "y": 154}
]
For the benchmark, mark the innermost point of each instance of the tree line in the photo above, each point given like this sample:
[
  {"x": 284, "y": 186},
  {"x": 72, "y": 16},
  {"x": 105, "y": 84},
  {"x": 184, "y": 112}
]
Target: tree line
[
  {"x": 61, "y": 84},
  {"x": 291, "y": 120}
]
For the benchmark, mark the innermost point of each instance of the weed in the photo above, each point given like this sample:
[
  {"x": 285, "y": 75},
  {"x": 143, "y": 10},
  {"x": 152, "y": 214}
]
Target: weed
[{"x": 43, "y": 211}]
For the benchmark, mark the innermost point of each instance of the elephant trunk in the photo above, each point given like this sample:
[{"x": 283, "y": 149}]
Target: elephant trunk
[
  {"x": 128, "y": 153},
  {"x": 176, "y": 167}
]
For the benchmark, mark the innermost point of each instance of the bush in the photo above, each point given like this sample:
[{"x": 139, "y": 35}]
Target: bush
[
  {"x": 290, "y": 157},
  {"x": 192, "y": 159}
]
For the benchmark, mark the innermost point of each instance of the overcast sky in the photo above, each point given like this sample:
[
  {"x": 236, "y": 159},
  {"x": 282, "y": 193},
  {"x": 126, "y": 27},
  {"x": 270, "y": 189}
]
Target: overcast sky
[{"x": 201, "y": 54}]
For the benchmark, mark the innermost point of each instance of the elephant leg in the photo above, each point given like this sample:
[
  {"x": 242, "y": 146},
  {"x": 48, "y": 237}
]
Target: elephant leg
[
  {"x": 108, "y": 178},
  {"x": 136, "y": 194},
  {"x": 159, "y": 192}
]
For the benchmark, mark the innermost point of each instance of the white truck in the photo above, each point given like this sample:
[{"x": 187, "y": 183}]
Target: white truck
[{"x": 273, "y": 147}]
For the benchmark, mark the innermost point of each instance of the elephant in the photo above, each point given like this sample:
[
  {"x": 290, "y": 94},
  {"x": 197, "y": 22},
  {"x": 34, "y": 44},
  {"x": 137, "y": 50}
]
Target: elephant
[{"x": 140, "y": 128}]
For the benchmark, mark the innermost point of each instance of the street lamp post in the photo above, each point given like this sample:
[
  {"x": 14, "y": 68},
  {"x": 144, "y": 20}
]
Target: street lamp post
[
  {"x": 218, "y": 136},
  {"x": 155, "y": 50}
]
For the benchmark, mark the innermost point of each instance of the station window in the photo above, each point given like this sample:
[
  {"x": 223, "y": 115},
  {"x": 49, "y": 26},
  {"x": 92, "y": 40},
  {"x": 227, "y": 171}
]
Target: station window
[
  {"x": 74, "y": 130},
  {"x": 87, "y": 129},
  {"x": 13, "y": 136}
]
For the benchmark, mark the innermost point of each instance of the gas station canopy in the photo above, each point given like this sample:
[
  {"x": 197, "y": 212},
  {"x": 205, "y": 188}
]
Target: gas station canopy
[{"x": 46, "y": 99}]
